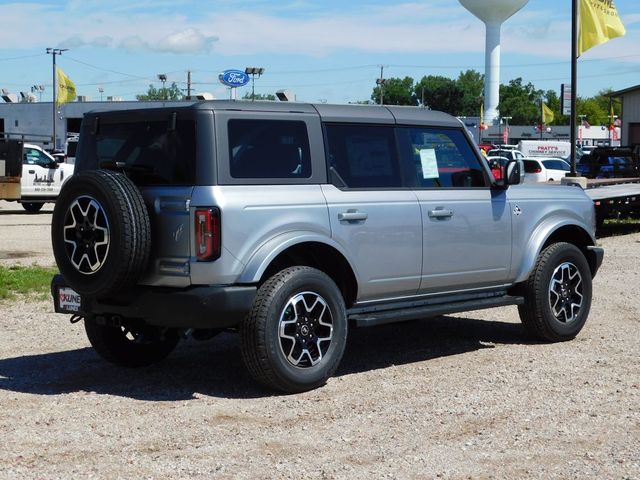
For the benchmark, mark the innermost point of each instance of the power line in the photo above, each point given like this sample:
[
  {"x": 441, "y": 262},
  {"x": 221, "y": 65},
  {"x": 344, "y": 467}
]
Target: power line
[
  {"x": 104, "y": 69},
  {"x": 20, "y": 58}
]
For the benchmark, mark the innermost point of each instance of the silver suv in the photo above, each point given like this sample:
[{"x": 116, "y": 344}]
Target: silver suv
[{"x": 288, "y": 222}]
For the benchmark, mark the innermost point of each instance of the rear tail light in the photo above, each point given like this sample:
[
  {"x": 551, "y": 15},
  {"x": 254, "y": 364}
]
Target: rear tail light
[
  {"x": 207, "y": 226},
  {"x": 537, "y": 170}
]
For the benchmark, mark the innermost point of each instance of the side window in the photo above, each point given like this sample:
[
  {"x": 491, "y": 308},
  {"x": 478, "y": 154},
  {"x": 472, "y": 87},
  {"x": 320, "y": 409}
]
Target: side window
[
  {"x": 35, "y": 157},
  {"x": 442, "y": 158},
  {"x": 365, "y": 156},
  {"x": 269, "y": 149}
]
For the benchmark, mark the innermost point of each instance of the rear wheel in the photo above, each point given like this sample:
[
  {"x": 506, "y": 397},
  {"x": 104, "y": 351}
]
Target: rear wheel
[
  {"x": 32, "y": 207},
  {"x": 295, "y": 335},
  {"x": 134, "y": 345},
  {"x": 557, "y": 294}
]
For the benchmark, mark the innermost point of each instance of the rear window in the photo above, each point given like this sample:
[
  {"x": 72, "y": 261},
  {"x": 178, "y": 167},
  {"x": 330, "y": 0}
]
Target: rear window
[
  {"x": 531, "y": 166},
  {"x": 269, "y": 149},
  {"x": 556, "y": 165},
  {"x": 150, "y": 152}
]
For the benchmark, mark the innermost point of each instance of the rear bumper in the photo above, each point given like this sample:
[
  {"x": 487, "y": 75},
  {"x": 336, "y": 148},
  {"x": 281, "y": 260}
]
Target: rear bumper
[{"x": 217, "y": 306}]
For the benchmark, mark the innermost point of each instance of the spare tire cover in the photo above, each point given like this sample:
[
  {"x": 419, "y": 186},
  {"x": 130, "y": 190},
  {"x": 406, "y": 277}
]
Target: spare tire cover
[{"x": 100, "y": 232}]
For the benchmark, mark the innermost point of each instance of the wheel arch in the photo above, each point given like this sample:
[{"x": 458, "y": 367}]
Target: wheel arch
[
  {"x": 549, "y": 234},
  {"x": 303, "y": 249}
]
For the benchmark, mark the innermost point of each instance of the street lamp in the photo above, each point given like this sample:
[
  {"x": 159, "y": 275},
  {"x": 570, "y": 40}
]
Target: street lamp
[
  {"x": 163, "y": 78},
  {"x": 101, "y": 90},
  {"x": 253, "y": 71}
]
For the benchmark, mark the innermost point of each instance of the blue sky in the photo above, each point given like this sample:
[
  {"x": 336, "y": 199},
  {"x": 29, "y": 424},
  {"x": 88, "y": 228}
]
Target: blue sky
[{"x": 322, "y": 50}]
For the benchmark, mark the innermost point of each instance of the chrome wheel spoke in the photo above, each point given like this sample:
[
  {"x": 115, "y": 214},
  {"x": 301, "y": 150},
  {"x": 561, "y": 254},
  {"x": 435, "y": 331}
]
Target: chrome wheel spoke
[
  {"x": 305, "y": 329},
  {"x": 565, "y": 292},
  {"x": 86, "y": 235}
]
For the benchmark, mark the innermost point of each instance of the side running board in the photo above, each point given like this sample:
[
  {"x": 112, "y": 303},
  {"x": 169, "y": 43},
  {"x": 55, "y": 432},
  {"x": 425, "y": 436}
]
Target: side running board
[{"x": 370, "y": 319}]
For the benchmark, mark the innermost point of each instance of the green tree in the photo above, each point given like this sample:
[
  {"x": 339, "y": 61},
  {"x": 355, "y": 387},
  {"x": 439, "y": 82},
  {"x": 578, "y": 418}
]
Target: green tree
[
  {"x": 397, "y": 91},
  {"x": 471, "y": 83},
  {"x": 593, "y": 109},
  {"x": 259, "y": 96},
  {"x": 171, "y": 93},
  {"x": 520, "y": 102},
  {"x": 440, "y": 93}
]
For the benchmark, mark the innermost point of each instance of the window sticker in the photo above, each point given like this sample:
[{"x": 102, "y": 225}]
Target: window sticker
[{"x": 429, "y": 163}]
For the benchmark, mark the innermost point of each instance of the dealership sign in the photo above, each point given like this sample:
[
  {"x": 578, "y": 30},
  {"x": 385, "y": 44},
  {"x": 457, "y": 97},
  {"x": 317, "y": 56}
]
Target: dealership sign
[{"x": 234, "y": 78}]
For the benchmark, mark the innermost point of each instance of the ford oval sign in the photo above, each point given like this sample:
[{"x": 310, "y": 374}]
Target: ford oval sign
[{"x": 234, "y": 78}]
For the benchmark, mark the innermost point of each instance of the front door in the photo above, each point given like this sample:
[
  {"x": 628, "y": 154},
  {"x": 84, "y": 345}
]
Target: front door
[
  {"x": 466, "y": 224},
  {"x": 38, "y": 174}
]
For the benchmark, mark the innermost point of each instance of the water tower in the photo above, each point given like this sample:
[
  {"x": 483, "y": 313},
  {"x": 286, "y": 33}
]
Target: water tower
[{"x": 493, "y": 13}]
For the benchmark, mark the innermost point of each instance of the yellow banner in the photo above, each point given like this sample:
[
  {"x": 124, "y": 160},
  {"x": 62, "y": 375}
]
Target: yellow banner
[
  {"x": 599, "y": 23},
  {"x": 66, "y": 88},
  {"x": 547, "y": 114}
]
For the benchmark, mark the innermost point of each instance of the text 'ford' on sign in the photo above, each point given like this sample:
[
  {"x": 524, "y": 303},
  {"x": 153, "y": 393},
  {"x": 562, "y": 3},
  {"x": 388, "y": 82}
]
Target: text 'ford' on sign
[{"x": 234, "y": 78}]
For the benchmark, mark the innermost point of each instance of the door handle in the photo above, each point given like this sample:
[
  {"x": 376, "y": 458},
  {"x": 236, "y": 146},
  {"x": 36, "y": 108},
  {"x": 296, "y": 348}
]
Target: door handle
[
  {"x": 32, "y": 171},
  {"x": 352, "y": 216},
  {"x": 440, "y": 213}
]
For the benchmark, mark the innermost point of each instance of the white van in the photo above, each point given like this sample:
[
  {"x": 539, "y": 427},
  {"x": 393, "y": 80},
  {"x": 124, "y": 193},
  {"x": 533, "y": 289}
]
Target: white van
[{"x": 545, "y": 148}]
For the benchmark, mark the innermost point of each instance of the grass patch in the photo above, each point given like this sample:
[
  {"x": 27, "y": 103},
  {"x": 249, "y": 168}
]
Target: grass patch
[{"x": 19, "y": 279}]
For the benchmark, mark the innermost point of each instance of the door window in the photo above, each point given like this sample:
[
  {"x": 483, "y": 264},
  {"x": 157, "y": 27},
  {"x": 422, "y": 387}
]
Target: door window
[
  {"x": 441, "y": 158},
  {"x": 33, "y": 156},
  {"x": 364, "y": 156}
]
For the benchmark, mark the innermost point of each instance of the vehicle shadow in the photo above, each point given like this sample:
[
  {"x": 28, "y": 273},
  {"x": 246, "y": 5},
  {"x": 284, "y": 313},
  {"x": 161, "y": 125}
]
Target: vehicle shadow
[{"x": 214, "y": 368}]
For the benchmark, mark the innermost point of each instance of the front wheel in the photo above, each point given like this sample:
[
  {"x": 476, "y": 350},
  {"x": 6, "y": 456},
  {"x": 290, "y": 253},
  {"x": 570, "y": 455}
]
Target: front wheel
[
  {"x": 295, "y": 335},
  {"x": 557, "y": 294},
  {"x": 135, "y": 345}
]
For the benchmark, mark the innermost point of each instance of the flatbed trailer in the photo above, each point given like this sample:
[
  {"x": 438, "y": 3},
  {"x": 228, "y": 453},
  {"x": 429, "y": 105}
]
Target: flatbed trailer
[{"x": 614, "y": 197}]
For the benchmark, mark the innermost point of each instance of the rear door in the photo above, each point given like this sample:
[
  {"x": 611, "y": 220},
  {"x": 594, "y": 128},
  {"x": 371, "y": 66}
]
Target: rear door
[
  {"x": 373, "y": 217},
  {"x": 466, "y": 224}
]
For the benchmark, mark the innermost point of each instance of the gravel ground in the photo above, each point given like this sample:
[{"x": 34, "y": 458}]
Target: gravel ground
[{"x": 464, "y": 396}]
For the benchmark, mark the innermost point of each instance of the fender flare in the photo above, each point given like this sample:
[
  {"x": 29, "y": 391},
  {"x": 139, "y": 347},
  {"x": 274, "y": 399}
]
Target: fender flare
[
  {"x": 268, "y": 251},
  {"x": 541, "y": 234}
]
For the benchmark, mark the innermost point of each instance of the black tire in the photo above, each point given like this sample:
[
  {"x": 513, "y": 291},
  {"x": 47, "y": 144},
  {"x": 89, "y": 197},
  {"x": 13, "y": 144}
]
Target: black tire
[
  {"x": 557, "y": 294},
  {"x": 296, "y": 302},
  {"x": 132, "y": 345},
  {"x": 32, "y": 207},
  {"x": 105, "y": 246}
]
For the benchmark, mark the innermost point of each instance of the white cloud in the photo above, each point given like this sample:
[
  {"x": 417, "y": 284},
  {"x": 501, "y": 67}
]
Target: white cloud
[{"x": 190, "y": 41}]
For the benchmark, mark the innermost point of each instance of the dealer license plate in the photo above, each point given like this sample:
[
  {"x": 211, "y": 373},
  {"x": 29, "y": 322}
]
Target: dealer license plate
[{"x": 69, "y": 301}]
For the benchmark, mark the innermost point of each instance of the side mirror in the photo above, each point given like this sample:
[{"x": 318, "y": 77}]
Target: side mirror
[{"x": 512, "y": 174}]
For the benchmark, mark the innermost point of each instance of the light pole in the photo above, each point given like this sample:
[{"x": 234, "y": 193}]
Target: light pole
[
  {"x": 582, "y": 117},
  {"x": 53, "y": 52},
  {"x": 253, "y": 71},
  {"x": 163, "y": 78},
  {"x": 101, "y": 90}
]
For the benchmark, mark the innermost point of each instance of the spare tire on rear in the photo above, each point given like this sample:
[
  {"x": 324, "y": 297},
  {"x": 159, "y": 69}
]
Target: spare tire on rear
[{"x": 100, "y": 232}]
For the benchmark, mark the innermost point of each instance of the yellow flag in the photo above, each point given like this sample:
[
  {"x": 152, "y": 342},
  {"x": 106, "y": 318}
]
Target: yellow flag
[
  {"x": 599, "y": 23},
  {"x": 547, "y": 114},
  {"x": 66, "y": 88}
]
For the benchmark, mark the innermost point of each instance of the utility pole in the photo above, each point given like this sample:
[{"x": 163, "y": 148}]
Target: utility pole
[
  {"x": 380, "y": 81},
  {"x": 53, "y": 52},
  {"x": 188, "y": 84}
]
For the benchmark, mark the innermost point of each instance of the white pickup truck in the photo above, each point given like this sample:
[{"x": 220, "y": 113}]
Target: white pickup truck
[{"x": 41, "y": 179}]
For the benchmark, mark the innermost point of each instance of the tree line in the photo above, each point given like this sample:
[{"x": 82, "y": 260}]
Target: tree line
[
  {"x": 460, "y": 97},
  {"x": 464, "y": 95}
]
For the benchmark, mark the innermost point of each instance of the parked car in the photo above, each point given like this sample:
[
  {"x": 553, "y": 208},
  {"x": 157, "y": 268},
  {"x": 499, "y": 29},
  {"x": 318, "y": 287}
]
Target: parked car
[
  {"x": 288, "y": 223},
  {"x": 545, "y": 169},
  {"x": 509, "y": 153},
  {"x": 42, "y": 178},
  {"x": 609, "y": 162}
]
